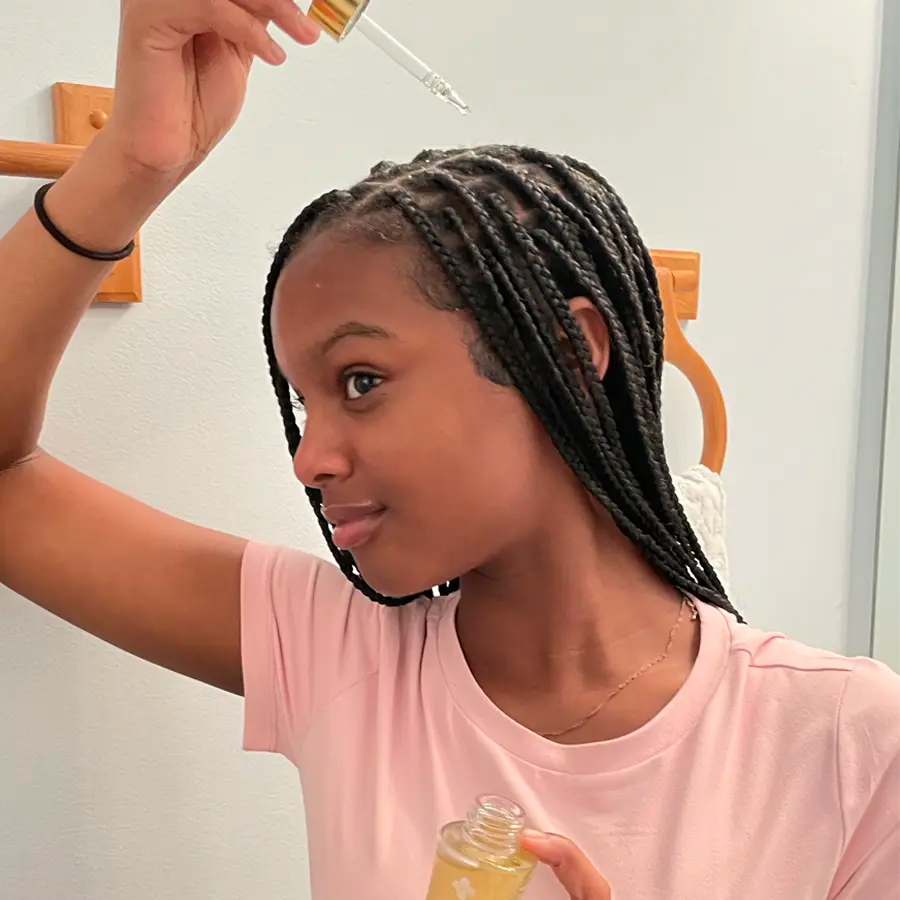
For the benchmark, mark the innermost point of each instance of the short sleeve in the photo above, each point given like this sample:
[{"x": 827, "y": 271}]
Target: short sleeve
[
  {"x": 869, "y": 780},
  {"x": 306, "y": 636}
]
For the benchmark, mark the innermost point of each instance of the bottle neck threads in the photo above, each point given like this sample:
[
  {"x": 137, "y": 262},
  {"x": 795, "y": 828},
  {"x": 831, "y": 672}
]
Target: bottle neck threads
[{"x": 494, "y": 825}]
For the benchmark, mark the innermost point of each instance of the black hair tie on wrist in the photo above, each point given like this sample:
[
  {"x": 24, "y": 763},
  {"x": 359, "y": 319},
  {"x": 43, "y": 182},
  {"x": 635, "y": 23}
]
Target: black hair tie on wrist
[{"x": 68, "y": 243}]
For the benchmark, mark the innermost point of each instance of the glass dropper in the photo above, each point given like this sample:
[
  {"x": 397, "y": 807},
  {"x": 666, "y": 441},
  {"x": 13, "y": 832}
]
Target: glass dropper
[{"x": 339, "y": 17}]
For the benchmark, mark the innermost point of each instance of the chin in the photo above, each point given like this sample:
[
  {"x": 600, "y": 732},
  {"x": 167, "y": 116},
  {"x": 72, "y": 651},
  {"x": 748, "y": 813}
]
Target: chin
[{"x": 395, "y": 578}]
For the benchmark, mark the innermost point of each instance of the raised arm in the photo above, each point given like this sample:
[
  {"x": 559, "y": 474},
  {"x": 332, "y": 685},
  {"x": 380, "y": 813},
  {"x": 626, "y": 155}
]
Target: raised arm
[{"x": 163, "y": 589}]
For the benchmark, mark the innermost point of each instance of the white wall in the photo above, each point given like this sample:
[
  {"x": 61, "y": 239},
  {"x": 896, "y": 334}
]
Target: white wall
[{"x": 742, "y": 130}]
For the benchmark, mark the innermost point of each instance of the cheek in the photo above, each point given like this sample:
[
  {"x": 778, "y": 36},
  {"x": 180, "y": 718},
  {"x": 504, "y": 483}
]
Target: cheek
[
  {"x": 473, "y": 455},
  {"x": 461, "y": 486},
  {"x": 474, "y": 478}
]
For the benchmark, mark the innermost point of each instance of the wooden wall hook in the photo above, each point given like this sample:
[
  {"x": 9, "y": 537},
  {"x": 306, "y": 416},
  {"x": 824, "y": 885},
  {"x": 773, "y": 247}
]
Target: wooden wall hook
[
  {"x": 685, "y": 268},
  {"x": 79, "y": 112},
  {"x": 680, "y": 353}
]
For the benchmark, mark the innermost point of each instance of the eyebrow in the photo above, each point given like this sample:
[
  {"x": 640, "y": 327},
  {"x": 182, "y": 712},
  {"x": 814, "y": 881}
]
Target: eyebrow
[{"x": 352, "y": 329}]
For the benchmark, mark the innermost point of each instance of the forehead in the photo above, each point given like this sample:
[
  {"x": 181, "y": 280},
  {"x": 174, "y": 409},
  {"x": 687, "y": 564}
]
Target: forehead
[{"x": 332, "y": 280}]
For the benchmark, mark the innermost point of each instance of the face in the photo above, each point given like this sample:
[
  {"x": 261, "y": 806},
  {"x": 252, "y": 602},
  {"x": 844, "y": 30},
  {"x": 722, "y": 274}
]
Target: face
[{"x": 428, "y": 469}]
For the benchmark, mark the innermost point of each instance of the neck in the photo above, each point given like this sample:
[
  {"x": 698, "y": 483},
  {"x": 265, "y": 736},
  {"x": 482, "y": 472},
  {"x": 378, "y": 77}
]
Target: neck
[{"x": 577, "y": 606}]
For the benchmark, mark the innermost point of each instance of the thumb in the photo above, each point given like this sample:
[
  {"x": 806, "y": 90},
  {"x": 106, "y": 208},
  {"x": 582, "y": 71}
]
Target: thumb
[{"x": 576, "y": 873}]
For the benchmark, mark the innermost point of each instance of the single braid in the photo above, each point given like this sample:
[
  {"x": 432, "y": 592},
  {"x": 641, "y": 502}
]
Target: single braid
[{"x": 515, "y": 234}]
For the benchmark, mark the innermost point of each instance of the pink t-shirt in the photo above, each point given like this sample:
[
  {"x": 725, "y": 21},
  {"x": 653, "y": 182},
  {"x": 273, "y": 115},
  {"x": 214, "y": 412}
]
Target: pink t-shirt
[{"x": 774, "y": 774}]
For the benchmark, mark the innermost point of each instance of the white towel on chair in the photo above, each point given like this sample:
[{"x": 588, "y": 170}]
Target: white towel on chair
[{"x": 702, "y": 495}]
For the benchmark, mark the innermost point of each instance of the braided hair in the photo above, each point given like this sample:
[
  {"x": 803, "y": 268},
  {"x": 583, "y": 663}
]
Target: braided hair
[{"x": 510, "y": 235}]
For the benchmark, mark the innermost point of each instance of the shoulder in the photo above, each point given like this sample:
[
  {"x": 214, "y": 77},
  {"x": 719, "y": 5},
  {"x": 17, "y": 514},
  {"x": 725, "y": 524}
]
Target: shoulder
[
  {"x": 308, "y": 594},
  {"x": 853, "y": 681},
  {"x": 307, "y": 637},
  {"x": 274, "y": 569},
  {"x": 851, "y": 705},
  {"x": 863, "y": 693},
  {"x": 868, "y": 736}
]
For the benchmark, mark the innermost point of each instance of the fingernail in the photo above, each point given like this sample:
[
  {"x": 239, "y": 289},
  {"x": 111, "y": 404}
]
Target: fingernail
[
  {"x": 278, "y": 56},
  {"x": 309, "y": 28},
  {"x": 537, "y": 839}
]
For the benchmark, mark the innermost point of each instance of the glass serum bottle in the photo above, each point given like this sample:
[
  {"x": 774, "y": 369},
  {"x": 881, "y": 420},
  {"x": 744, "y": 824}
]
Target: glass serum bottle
[{"x": 479, "y": 858}]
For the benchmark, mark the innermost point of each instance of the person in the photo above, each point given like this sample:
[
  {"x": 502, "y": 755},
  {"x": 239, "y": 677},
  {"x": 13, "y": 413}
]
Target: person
[{"x": 466, "y": 352}]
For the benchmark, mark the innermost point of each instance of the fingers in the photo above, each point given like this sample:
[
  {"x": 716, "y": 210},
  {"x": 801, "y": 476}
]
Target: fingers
[
  {"x": 244, "y": 24},
  {"x": 233, "y": 23},
  {"x": 576, "y": 873},
  {"x": 168, "y": 24},
  {"x": 286, "y": 15}
]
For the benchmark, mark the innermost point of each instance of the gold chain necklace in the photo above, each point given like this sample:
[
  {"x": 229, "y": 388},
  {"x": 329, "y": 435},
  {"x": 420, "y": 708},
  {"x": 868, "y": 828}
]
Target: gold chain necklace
[{"x": 686, "y": 603}]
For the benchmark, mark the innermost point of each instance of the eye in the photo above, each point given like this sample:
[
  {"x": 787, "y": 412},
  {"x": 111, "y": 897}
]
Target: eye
[
  {"x": 357, "y": 384},
  {"x": 300, "y": 408}
]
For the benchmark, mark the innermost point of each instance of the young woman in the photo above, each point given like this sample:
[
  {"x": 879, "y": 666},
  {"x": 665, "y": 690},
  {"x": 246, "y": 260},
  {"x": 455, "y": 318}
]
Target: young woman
[{"x": 470, "y": 346}]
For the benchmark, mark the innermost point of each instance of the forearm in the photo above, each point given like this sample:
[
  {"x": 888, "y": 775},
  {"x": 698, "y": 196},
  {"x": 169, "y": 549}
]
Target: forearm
[{"x": 45, "y": 289}]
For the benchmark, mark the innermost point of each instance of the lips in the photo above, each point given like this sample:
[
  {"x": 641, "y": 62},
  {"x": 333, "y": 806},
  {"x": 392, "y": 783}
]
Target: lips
[{"x": 353, "y": 524}]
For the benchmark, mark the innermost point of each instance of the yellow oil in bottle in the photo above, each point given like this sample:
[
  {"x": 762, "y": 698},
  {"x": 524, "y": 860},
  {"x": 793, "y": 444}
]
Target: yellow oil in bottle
[{"x": 479, "y": 858}]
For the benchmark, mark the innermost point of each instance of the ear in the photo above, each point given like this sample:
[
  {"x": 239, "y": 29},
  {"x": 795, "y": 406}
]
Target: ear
[{"x": 595, "y": 330}]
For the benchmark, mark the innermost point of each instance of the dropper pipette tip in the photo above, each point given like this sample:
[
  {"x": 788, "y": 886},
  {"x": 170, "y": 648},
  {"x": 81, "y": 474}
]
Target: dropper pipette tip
[
  {"x": 455, "y": 100},
  {"x": 407, "y": 60}
]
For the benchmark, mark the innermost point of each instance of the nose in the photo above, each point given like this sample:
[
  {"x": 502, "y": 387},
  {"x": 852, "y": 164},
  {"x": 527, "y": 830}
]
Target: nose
[{"x": 322, "y": 455}]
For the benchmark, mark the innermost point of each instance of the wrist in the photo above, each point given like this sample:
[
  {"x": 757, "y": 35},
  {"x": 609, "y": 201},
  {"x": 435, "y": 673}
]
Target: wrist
[{"x": 102, "y": 202}]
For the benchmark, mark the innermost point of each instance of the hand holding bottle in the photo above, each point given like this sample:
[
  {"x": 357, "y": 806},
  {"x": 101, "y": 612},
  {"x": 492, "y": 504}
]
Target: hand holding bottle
[
  {"x": 490, "y": 853},
  {"x": 182, "y": 75},
  {"x": 574, "y": 870}
]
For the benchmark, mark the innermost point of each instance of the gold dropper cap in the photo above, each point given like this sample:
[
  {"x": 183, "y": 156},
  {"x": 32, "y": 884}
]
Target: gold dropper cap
[{"x": 337, "y": 17}]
